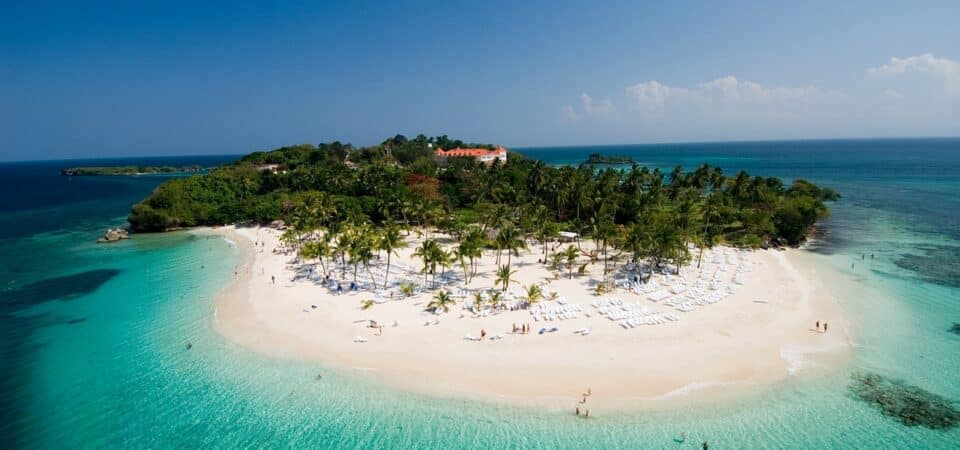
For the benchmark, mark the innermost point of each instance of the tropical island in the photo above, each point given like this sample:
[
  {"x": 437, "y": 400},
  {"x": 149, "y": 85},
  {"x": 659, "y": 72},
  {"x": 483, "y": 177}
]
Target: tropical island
[
  {"x": 436, "y": 269},
  {"x": 401, "y": 182},
  {"x": 598, "y": 159},
  {"x": 127, "y": 170}
]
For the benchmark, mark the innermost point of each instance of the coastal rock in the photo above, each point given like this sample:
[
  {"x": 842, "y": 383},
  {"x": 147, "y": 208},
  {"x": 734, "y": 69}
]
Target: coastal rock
[{"x": 114, "y": 235}]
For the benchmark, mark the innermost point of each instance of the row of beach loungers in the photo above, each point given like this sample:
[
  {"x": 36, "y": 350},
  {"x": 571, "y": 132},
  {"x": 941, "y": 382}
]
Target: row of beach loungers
[
  {"x": 629, "y": 315},
  {"x": 559, "y": 312}
]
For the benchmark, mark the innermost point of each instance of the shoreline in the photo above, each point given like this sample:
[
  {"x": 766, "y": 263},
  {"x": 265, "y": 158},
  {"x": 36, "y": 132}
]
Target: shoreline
[{"x": 718, "y": 352}]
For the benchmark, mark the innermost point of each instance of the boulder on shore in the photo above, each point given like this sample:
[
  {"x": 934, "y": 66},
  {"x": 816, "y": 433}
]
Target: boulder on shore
[{"x": 114, "y": 235}]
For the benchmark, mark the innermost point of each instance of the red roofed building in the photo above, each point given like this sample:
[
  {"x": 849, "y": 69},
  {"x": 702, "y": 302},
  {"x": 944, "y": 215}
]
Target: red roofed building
[{"x": 480, "y": 154}]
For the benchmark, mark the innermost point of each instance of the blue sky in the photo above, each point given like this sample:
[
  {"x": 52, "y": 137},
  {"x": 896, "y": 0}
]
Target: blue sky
[{"x": 93, "y": 79}]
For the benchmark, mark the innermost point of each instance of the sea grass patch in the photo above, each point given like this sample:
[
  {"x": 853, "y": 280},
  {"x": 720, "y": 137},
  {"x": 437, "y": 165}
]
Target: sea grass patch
[{"x": 911, "y": 405}]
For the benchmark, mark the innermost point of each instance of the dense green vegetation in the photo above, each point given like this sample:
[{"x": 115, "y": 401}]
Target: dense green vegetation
[
  {"x": 640, "y": 212},
  {"x": 127, "y": 170}
]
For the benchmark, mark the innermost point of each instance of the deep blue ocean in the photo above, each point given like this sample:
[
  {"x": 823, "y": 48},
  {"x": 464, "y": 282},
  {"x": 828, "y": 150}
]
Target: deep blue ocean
[{"x": 91, "y": 336}]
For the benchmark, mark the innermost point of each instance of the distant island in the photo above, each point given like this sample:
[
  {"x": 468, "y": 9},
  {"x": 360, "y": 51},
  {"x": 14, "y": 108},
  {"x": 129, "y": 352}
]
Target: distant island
[
  {"x": 127, "y": 170},
  {"x": 597, "y": 158}
]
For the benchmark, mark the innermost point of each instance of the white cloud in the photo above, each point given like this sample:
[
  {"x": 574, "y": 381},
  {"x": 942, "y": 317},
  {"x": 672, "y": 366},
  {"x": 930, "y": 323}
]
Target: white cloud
[
  {"x": 591, "y": 108},
  {"x": 651, "y": 96},
  {"x": 725, "y": 96},
  {"x": 946, "y": 70},
  {"x": 902, "y": 98}
]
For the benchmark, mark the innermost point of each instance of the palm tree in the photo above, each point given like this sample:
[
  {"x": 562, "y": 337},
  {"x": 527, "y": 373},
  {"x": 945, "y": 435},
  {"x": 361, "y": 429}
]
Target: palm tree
[
  {"x": 365, "y": 252},
  {"x": 556, "y": 260},
  {"x": 471, "y": 246},
  {"x": 710, "y": 215},
  {"x": 442, "y": 258},
  {"x": 441, "y": 300},
  {"x": 389, "y": 241},
  {"x": 571, "y": 254},
  {"x": 546, "y": 230},
  {"x": 513, "y": 241},
  {"x": 289, "y": 237},
  {"x": 495, "y": 298},
  {"x": 458, "y": 256},
  {"x": 426, "y": 254},
  {"x": 478, "y": 300},
  {"x": 504, "y": 277},
  {"x": 534, "y": 294}
]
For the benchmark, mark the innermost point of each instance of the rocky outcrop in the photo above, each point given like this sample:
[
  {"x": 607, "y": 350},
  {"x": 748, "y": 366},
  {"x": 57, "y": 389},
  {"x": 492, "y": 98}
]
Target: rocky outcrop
[
  {"x": 113, "y": 235},
  {"x": 908, "y": 404}
]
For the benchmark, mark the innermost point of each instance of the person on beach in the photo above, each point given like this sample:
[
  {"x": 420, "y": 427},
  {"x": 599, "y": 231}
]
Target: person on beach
[
  {"x": 824, "y": 327},
  {"x": 589, "y": 392},
  {"x": 273, "y": 279},
  {"x": 587, "y": 413},
  {"x": 483, "y": 333},
  {"x": 584, "y": 399},
  {"x": 818, "y": 325},
  {"x": 578, "y": 410}
]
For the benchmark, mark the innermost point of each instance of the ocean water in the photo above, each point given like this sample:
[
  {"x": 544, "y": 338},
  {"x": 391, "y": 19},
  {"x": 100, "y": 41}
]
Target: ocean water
[{"x": 93, "y": 336}]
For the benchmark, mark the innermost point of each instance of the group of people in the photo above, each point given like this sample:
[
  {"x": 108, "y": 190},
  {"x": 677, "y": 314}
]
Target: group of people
[
  {"x": 824, "y": 326},
  {"x": 586, "y": 412},
  {"x": 522, "y": 329}
]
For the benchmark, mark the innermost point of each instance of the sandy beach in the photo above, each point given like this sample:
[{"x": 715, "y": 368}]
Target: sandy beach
[{"x": 759, "y": 333}]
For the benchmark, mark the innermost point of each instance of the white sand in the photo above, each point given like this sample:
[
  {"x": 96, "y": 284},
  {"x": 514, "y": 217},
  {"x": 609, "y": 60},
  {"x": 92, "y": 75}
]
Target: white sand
[{"x": 719, "y": 349}]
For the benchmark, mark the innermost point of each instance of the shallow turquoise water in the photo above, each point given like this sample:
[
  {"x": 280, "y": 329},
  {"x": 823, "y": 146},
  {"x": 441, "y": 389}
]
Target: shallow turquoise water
[{"x": 95, "y": 353}]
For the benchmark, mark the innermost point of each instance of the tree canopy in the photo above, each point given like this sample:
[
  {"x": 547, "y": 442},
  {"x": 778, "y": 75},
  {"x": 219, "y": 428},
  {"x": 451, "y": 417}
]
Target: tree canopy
[{"x": 644, "y": 211}]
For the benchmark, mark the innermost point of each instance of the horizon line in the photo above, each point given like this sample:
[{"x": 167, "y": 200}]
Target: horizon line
[{"x": 517, "y": 148}]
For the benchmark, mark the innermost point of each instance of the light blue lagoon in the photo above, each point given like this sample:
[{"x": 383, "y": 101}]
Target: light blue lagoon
[{"x": 94, "y": 336}]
